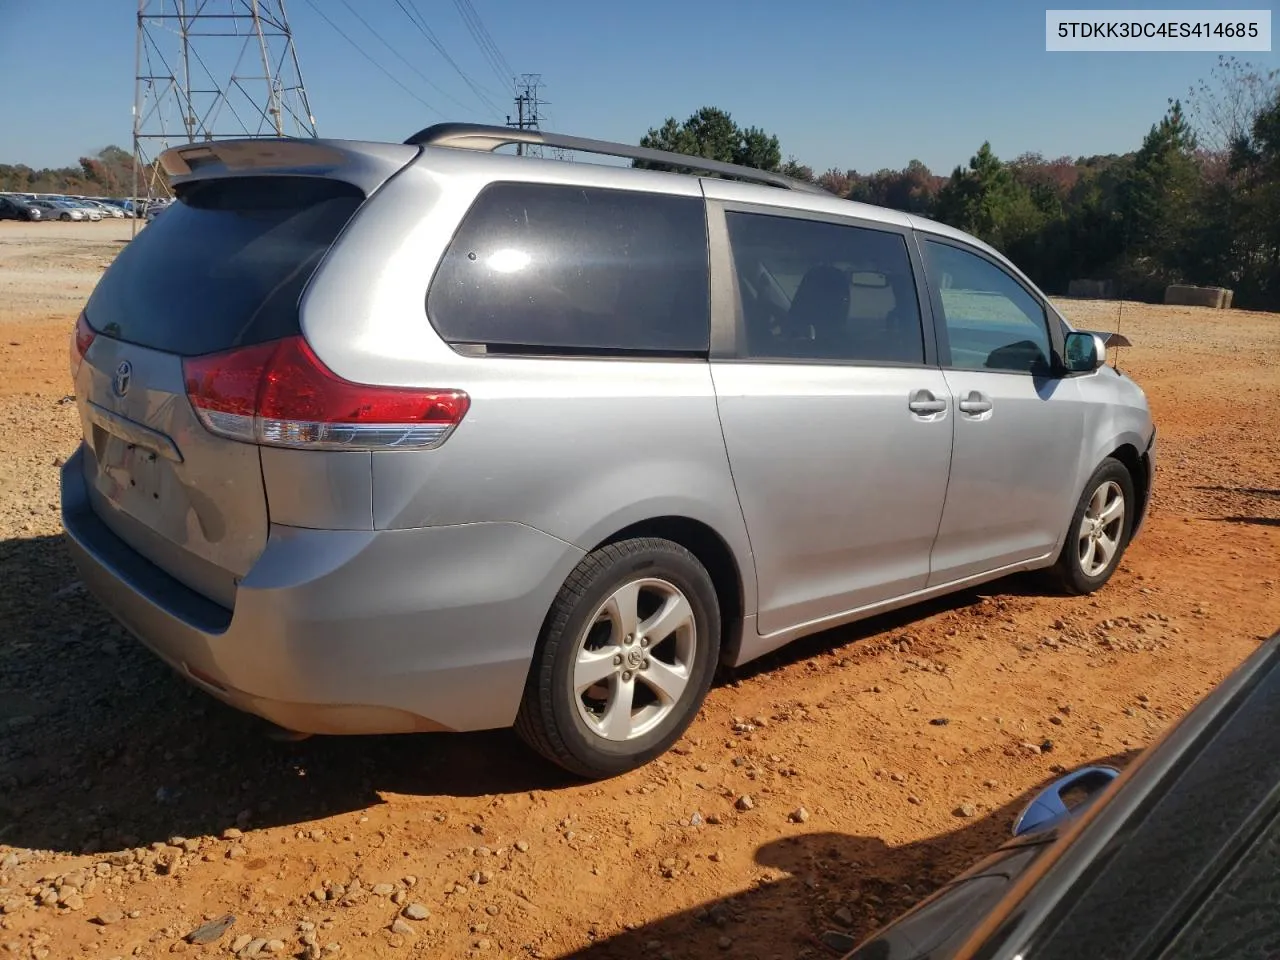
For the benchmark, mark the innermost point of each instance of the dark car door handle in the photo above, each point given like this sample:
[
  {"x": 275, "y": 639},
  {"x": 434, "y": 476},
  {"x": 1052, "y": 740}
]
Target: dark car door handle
[
  {"x": 924, "y": 402},
  {"x": 975, "y": 403}
]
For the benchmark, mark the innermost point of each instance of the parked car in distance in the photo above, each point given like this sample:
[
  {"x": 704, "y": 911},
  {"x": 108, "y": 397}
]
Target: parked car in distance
[
  {"x": 17, "y": 208},
  {"x": 61, "y": 210},
  {"x": 91, "y": 212},
  {"x": 105, "y": 209},
  {"x": 412, "y": 437},
  {"x": 1178, "y": 858},
  {"x": 123, "y": 205}
]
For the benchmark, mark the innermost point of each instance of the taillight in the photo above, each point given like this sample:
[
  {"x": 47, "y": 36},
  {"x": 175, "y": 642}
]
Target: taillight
[
  {"x": 280, "y": 394},
  {"x": 80, "y": 340}
]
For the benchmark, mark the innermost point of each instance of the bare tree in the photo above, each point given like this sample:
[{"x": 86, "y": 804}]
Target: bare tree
[{"x": 1224, "y": 104}]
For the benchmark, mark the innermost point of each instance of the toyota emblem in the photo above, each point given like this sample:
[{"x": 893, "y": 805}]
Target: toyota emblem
[{"x": 120, "y": 382}]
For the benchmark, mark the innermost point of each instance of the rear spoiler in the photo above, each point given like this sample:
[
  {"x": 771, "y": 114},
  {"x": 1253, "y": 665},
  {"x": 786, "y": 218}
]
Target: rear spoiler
[{"x": 366, "y": 165}]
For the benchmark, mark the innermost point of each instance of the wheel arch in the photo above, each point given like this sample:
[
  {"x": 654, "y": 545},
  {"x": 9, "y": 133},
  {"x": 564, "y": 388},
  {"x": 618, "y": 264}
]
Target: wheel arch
[
  {"x": 714, "y": 553},
  {"x": 1132, "y": 459}
]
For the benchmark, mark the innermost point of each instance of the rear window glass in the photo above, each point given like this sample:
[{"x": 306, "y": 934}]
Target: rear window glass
[
  {"x": 562, "y": 269},
  {"x": 224, "y": 266}
]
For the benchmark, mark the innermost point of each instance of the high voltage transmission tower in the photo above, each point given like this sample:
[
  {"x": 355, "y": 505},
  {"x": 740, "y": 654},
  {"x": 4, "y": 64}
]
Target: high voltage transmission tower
[
  {"x": 211, "y": 70},
  {"x": 529, "y": 112}
]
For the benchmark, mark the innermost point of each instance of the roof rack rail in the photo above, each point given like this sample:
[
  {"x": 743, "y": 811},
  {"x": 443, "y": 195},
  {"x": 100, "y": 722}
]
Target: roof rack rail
[{"x": 487, "y": 137}]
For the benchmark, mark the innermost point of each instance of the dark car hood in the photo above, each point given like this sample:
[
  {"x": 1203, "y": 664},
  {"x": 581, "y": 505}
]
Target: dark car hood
[{"x": 935, "y": 928}]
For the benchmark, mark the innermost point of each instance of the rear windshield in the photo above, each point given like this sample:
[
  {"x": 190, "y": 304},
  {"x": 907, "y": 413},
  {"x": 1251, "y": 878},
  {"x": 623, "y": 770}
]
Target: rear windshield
[{"x": 225, "y": 266}]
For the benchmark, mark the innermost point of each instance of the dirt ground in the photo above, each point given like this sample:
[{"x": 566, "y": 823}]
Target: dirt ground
[{"x": 134, "y": 808}]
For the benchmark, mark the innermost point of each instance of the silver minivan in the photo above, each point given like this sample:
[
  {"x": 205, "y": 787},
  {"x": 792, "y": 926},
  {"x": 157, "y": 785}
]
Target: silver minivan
[{"x": 426, "y": 436}]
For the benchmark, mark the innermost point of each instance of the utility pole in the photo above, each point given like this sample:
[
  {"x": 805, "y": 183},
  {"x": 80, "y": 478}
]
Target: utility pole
[
  {"x": 528, "y": 114},
  {"x": 212, "y": 70}
]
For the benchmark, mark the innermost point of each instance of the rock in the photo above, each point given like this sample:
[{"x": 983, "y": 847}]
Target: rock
[
  {"x": 232, "y": 833},
  {"x": 714, "y": 819},
  {"x": 274, "y": 946},
  {"x": 382, "y": 889},
  {"x": 12, "y": 906},
  {"x": 715, "y": 856},
  {"x": 416, "y": 911},
  {"x": 1143, "y": 698},
  {"x": 205, "y": 933},
  {"x": 939, "y": 722},
  {"x": 913, "y": 799},
  {"x": 837, "y": 941},
  {"x": 492, "y": 909},
  {"x": 331, "y": 948},
  {"x": 253, "y": 947},
  {"x": 236, "y": 852},
  {"x": 72, "y": 901},
  {"x": 724, "y": 943},
  {"x": 695, "y": 819},
  {"x": 1031, "y": 748},
  {"x": 843, "y": 916},
  {"x": 966, "y": 810},
  {"x": 991, "y": 784},
  {"x": 1046, "y": 745},
  {"x": 1056, "y": 721},
  {"x": 399, "y": 898},
  {"x": 409, "y": 880},
  {"x": 798, "y": 815},
  {"x": 240, "y": 942},
  {"x": 522, "y": 846},
  {"x": 399, "y": 926},
  {"x": 745, "y": 803}
]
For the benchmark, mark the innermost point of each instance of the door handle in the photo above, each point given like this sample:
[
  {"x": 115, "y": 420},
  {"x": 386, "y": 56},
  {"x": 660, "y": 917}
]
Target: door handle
[
  {"x": 975, "y": 402},
  {"x": 924, "y": 402}
]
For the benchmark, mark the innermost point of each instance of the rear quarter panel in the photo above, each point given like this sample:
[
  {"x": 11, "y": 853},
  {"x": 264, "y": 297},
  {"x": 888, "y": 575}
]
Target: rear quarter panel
[{"x": 577, "y": 448}]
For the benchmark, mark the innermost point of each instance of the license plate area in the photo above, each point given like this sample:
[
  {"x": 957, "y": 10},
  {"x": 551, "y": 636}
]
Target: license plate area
[{"x": 130, "y": 476}]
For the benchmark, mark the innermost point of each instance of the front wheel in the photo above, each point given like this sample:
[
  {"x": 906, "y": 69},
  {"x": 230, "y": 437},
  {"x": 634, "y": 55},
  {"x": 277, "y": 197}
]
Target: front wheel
[
  {"x": 625, "y": 659},
  {"x": 1099, "y": 532}
]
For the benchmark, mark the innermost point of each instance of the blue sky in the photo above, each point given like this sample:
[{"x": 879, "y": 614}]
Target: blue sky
[{"x": 852, "y": 84}]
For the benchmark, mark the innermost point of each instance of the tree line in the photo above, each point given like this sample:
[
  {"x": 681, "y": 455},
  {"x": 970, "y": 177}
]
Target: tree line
[
  {"x": 1198, "y": 202},
  {"x": 108, "y": 173}
]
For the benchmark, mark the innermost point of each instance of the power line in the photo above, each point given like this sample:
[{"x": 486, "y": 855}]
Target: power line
[
  {"x": 407, "y": 62},
  {"x": 421, "y": 23},
  {"x": 359, "y": 49},
  {"x": 484, "y": 40}
]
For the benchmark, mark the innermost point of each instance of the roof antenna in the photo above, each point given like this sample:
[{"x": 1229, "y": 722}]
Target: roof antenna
[{"x": 1115, "y": 363}]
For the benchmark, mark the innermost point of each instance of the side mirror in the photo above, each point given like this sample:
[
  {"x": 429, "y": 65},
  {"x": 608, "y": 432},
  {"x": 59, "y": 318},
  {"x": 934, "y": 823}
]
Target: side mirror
[
  {"x": 1050, "y": 807},
  {"x": 1084, "y": 352}
]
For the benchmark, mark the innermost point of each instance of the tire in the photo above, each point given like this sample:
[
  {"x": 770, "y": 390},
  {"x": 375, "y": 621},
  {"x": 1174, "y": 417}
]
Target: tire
[
  {"x": 1081, "y": 568},
  {"x": 585, "y": 730},
  {"x": 65, "y": 217}
]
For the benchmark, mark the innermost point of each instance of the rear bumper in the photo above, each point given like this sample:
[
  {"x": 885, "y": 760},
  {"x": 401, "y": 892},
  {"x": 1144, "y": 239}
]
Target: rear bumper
[{"x": 344, "y": 632}]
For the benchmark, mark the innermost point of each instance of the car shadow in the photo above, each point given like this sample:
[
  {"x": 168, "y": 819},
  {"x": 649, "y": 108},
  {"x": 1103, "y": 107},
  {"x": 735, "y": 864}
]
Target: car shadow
[
  {"x": 1250, "y": 521},
  {"x": 821, "y": 883},
  {"x": 103, "y": 747}
]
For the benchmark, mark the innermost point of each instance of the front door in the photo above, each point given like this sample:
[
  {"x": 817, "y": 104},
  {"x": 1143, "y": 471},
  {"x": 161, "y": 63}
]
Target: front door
[
  {"x": 1019, "y": 429},
  {"x": 837, "y": 423}
]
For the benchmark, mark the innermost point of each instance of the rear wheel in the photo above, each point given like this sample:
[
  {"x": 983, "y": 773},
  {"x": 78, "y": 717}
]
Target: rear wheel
[
  {"x": 1099, "y": 532},
  {"x": 625, "y": 659},
  {"x": 65, "y": 216}
]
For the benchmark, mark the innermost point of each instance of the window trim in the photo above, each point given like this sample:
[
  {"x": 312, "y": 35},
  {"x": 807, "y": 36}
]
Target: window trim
[
  {"x": 481, "y": 350},
  {"x": 1052, "y": 330},
  {"x": 728, "y": 338}
]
